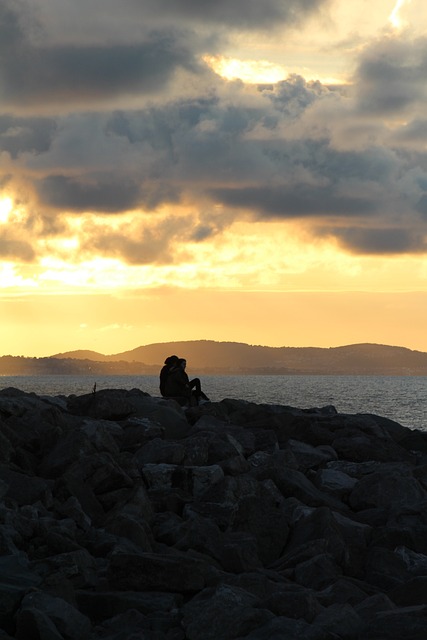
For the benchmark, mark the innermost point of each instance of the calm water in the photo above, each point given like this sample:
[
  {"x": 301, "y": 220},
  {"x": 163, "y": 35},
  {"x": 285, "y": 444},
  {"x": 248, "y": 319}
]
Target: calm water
[{"x": 401, "y": 398}]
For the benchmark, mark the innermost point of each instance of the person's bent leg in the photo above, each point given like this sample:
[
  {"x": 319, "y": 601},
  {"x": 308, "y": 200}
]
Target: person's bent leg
[
  {"x": 196, "y": 385},
  {"x": 198, "y": 393}
]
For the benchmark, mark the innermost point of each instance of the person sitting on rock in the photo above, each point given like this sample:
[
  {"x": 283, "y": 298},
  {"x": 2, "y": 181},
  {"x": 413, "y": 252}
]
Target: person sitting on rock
[
  {"x": 170, "y": 362},
  {"x": 194, "y": 385},
  {"x": 177, "y": 384}
]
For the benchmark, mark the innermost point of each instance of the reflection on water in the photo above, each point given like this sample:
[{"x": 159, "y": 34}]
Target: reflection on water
[{"x": 399, "y": 398}]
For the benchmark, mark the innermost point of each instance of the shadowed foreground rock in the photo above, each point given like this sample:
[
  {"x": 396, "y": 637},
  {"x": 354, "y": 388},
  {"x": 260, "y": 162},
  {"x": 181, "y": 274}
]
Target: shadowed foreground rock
[{"x": 122, "y": 516}]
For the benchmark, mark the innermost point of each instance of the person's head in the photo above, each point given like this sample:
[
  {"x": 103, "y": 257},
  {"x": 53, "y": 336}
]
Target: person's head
[
  {"x": 183, "y": 362},
  {"x": 172, "y": 360}
]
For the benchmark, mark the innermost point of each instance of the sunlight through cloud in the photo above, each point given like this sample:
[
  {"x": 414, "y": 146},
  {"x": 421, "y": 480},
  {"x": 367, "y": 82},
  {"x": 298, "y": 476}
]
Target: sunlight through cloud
[
  {"x": 5, "y": 209},
  {"x": 249, "y": 71},
  {"x": 394, "y": 17}
]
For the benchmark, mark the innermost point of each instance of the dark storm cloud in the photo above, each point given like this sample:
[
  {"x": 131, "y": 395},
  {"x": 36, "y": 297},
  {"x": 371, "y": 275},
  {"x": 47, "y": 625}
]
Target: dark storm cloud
[
  {"x": 231, "y": 152},
  {"x": 70, "y": 74},
  {"x": 11, "y": 30},
  {"x": 20, "y": 135},
  {"x": 33, "y": 72},
  {"x": 415, "y": 131},
  {"x": 293, "y": 97},
  {"x": 106, "y": 193},
  {"x": 294, "y": 202},
  {"x": 294, "y": 150},
  {"x": 422, "y": 206},
  {"x": 391, "y": 75},
  {"x": 240, "y": 14},
  {"x": 72, "y": 194},
  {"x": 386, "y": 241},
  {"x": 36, "y": 69}
]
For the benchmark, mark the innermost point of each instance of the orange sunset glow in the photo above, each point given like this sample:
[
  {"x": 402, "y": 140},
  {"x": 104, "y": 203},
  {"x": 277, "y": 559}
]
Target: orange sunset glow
[{"x": 204, "y": 171}]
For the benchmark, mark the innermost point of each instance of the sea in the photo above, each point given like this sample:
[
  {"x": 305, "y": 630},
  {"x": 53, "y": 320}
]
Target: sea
[{"x": 399, "y": 398}]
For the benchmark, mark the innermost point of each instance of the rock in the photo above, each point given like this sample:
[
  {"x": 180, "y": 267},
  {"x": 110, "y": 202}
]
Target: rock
[
  {"x": 157, "y": 451},
  {"x": 223, "y": 612},
  {"x": 333, "y": 481},
  {"x": 410, "y": 592},
  {"x": 317, "y": 572},
  {"x": 294, "y": 483},
  {"x": 292, "y": 601},
  {"x": 104, "y": 605},
  {"x": 394, "y": 489},
  {"x": 25, "y": 489},
  {"x": 309, "y": 457},
  {"x": 263, "y": 515},
  {"x": 50, "y": 617},
  {"x": 107, "y": 404},
  {"x": 178, "y": 572},
  {"x": 338, "y": 621},
  {"x": 408, "y": 622},
  {"x": 279, "y": 628},
  {"x": 132, "y": 625},
  {"x": 16, "y": 580},
  {"x": 194, "y": 480},
  {"x": 124, "y": 516},
  {"x": 385, "y": 569}
]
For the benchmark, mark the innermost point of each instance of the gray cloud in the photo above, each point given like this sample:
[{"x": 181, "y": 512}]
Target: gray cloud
[
  {"x": 391, "y": 75},
  {"x": 129, "y": 16},
  {"x": 74, "y": 194},
  {"x": 71, "y": 74},
  {"x": 422, "y": 206},
  {"x": 41, "y": 64},
  {"x": 296, "y": 201},
  {"x": 377, "y": 241},
  {"x": 12, "y": 248},
  {"x": 241, "y": 14},
  {"x": 413, "y": 132},
  {"x": 293, "y": 150},
  {"x": 156, "y": 243},
  {"x": 21, "y": 135},
  {"x": 104, "y": 193},
  {"x": 230, "y": 150}
]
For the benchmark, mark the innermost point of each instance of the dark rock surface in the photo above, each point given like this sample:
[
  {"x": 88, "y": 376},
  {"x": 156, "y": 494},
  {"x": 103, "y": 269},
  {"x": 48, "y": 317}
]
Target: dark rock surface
[{"x": 123, "y": 516}]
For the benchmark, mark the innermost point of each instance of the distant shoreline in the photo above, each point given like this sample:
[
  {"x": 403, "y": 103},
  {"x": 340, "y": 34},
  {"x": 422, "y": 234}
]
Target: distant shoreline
[{"x": 207, "y": 357}]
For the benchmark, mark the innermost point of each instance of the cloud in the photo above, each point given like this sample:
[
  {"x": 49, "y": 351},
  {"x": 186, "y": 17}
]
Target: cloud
[
  {"x": 295, "y": 202},
  {"x": 391, "y": 75},
  {"x": 254, "y": 152},
  {"x": 414, "y": 133},
  {"x": 377, "y": 241},
  {"x": 20, "y": 135},
  {"x": 104, "y": 195},
  {"x": 37, "y": 71},
  {"x": 42, "y": 65},
  {"x": 128, "y": 130},
  {"x": 107, "y": 17},
  {"x": 92, "y": 74},
  {"x": 239, "y": 14},
  {"x": 138, "y": 242},
  {"x": 13, "y": 248}
]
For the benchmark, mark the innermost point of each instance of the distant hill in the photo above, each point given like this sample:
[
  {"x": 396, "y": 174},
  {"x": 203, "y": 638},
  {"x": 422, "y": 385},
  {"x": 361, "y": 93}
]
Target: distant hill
[
  {"x": 82, "y": 354},
  {"x": 209, "y": 356}
]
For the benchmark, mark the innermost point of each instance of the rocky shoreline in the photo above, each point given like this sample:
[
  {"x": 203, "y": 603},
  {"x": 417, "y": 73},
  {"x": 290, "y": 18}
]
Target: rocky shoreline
[{"x": 124, "y": 517}]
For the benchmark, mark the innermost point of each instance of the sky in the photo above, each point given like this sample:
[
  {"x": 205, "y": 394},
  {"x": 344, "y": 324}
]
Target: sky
[{"x": 233, "y": 170}]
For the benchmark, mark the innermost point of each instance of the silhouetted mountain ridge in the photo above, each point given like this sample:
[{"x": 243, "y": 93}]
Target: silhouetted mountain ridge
[{"x": 209, "y": 356}]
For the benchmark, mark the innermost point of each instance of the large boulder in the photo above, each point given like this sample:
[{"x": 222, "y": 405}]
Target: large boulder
[
  {"x": 44, "y": 616},
  {"x": 125, "y": 516}
]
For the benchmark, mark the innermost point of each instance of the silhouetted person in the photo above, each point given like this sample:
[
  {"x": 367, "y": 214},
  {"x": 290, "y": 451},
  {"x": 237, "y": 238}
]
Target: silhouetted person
[
  {"x": 194, "y": 385},
  {"x": 170, "y": 362},
  {"x": 175, "y": 383}
]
